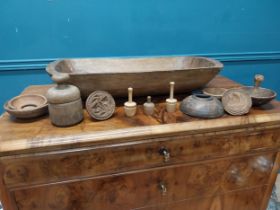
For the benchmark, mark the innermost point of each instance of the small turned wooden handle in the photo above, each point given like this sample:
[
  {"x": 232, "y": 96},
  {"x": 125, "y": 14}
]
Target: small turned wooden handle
[
  {"x": 130, "y": 92},
  {"x": 60, "y": 78},
  {"x": 258, "y": 80},
  {"x": 149, "y": 99},
  {"x": 171, "y": 90}
]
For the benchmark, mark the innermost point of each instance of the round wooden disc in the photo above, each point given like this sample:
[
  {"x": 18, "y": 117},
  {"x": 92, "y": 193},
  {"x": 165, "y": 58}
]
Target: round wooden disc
[
  {"x": 100, "y": 105},
  {"x": 236, "y": 102}
]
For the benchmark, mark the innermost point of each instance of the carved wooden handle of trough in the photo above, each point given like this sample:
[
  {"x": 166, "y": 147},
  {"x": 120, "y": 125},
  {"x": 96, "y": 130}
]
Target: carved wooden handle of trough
[
  {"x": 57, "y": 76},
  {"x": 60, "y": 78},
  {"x": 258, "y": 80}
]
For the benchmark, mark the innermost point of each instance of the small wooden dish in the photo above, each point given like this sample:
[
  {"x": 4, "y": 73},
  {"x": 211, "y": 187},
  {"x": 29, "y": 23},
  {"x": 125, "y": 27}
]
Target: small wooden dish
[
  {"x": 27, "y": 106},
  {"x": 259, "y": 95},
  {"x": 216, "y": 92}
]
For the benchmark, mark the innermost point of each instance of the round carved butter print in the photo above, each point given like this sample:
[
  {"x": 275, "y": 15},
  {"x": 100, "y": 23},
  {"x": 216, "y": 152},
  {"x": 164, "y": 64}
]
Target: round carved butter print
[{"x": 100, "y": 105}]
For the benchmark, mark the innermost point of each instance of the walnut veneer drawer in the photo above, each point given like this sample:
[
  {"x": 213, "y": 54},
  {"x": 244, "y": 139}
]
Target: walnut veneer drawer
[
  {"x": 150, "y": 187},
  {"x": 52, "y": 167},
  {"x": 239, "y": 200}
]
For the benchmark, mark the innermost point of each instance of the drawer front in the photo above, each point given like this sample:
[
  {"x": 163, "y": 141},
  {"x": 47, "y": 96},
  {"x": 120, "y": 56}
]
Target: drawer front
[
  {"x": 45, "y": 168},
  {"x": 240, "y": 200},
  {"x": 150, "y": 187}
]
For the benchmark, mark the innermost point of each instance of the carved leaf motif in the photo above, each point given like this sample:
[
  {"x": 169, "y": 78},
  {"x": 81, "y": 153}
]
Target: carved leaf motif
[{"x": 100, "y": 105}]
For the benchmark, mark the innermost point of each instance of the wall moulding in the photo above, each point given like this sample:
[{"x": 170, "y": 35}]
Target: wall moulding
[{"x": 40, "y": 64}]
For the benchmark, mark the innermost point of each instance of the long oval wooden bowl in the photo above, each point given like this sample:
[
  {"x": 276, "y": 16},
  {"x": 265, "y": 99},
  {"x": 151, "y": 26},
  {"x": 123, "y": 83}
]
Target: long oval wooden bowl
[{"x": 147, "y": 76}]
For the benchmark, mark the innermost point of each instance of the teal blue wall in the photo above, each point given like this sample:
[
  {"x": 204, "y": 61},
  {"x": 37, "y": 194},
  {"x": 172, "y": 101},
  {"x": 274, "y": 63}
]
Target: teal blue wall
[{"x": 245, "y": 35}]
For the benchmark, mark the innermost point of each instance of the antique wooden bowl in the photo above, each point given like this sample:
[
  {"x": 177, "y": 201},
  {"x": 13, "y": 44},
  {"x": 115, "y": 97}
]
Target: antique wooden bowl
[
  {"x": 27, "y": 106},
  {"x": 258, "y": 94},
  {"x": 216, "y": 92},
  {"x": 147, "y": 76}
]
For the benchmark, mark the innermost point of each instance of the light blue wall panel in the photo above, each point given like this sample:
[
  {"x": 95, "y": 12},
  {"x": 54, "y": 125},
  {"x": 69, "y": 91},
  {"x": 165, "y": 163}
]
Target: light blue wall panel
[
  {"x": 243, "y": 72},
  {"x": 38, "y": 29}
]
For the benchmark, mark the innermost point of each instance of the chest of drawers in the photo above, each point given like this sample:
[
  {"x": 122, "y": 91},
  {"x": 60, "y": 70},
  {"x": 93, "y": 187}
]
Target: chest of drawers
[{"x": 168, "y": 161}]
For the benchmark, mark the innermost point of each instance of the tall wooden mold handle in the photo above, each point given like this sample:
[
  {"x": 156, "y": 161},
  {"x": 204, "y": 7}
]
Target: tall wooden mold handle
[{"x": 258, "y": 80}]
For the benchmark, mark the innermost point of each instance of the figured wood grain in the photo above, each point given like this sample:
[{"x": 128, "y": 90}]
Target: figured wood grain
[
  {"x": 142, "y": 189},
  {"x": 7, "y": 199},
  {"x": 40, "y": 135},
  {"x": 272, "y": 179},
  {"x": 238, "y": 200},
  {"x": 26, "y": 170}
]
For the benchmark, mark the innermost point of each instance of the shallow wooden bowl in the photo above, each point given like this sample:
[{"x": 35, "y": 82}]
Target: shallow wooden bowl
[
  {"x": 216, "y": 92},
  {"x": 260, "y": 95},
  {"x": 27, "y": 106}
]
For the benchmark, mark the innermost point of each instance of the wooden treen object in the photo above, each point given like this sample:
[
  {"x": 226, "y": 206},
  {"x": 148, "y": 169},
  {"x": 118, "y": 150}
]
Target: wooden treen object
[
  {"x": 116, "y": 74},
  {"x": 237, "y": 102},
  {"x": 27, "y": 106},
  {"x": 149, "y": 106},
  {"x": 130, "y": 107},
  {"x": 65, "y": 104},
  {"x": 100, "y": 105},
  {"x": 258, "y": 94},
  {"x": 171, "y": 102}
]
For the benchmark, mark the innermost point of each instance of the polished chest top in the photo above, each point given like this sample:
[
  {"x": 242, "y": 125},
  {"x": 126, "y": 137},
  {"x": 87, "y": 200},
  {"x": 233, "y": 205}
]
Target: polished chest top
[{"x": 21, "y": 136}]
